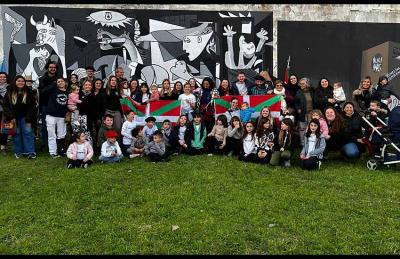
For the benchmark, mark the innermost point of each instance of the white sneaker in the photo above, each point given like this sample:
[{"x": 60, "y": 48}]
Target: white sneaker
[
  {"x": 131, "y": 156},
  {"x": 85, "y": 166},
  {"x": 69, "y": 166},
  {"x": 286, "y": 163},
  {"x": 210, "y": 154},
  {"x": 319, "y": 164}
]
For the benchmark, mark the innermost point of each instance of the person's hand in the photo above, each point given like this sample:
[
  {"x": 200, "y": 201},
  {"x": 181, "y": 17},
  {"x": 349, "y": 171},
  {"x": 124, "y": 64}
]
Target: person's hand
[
  {"x": 373, "y": 113},
  {"x": 209, "y": 134},
  {"x": 185, "y": 146},
  {"x": 331, "y": 100},
  {"x": 327, "y": 136},
  {"x": 359, "y": 140},
  {"x": 302, "y": 157},
  {"x": 222, "y": 146},
  {"x": 228, "y": 31}
]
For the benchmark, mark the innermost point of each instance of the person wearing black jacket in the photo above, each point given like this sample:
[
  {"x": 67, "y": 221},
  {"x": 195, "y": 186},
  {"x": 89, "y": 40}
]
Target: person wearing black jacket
[
  {"x": 112, "y": 103},
  {"x": 55, "y": 118},
  {"x": 363, "y": 95},
  {"x": 170, "y": 138},
  {"x": 195, "y": 135},
  {"x": 98, "y": 104},
  {"x": 46, "y": 82},
  {"x": 4, "y": 86},
  {"x": 87, "y": 111},
  {"x": 354, "y": 144},
  {"x": 19, "y": 107},
  {"x": 303, "y": 103},
  {"x": 323, "y": 95}
]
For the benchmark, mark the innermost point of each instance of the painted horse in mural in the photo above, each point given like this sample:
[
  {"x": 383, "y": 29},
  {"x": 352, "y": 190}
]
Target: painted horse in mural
[{"x": 53, "y": 35}]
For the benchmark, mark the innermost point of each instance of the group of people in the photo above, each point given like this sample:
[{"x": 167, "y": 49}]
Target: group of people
[{"x": 80, "y": 118}]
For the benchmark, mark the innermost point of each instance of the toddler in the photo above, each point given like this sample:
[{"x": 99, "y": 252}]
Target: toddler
[
  {"x": 138, "y": 142},
  {"x": 338, "y": 95},
  {"x": 245, "y": 112},
  {"x": 72, "y": 105},
  {"x": 110, "y": 150},
  {"x": 80, "y": 152}
]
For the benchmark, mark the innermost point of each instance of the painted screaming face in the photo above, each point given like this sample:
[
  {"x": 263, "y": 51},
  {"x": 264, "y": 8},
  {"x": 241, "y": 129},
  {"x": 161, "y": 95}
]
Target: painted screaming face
[{"x": 248, "y": 49}]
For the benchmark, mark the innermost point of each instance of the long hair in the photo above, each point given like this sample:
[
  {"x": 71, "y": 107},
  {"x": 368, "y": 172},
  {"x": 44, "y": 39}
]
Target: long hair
[
  {"x": 260, "y": 127},
  {"x": 282, "y": 133},
  {"x": 245, "y": 131},
  {"x": 169, "y": 91},
  {"x": 337, "y": 123},
  {"x": 210, "y": 81},
  {"x": 15, "y": 91},
  {"x": 317, "y": 132},
  {"x": 108, "y": 88},
  {"x": 7, "y": 79},
  {"x": 223, "y": 119},
  {"x": 236, "y": 118}
]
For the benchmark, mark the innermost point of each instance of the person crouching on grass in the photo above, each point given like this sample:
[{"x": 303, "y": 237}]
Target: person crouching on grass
[
  {"x": 110, "y": 150},
  {"x": 138, "y": 142},
  {"x": 80, "y": 152},
  {"x": 314, "y": 146},
  {"x": 155, "y": 149}
]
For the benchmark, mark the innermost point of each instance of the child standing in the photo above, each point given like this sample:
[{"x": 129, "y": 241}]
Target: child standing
[
  {"x": 195, "y": 135},
  {"x": 80, "y": 152},
  {"x": 107, "y": 125},
  {"x": 234, "y": 141},
  {"x": 138, "y": 142},
  {"x": 72, "y": 105},
  {"x": 156, "y": 149},
  {"x": 249, "y": 143},
  {"x": 245, "y": 112},
  {"x": 338, "y": 95},
  {"x": 317, "y": 114},
  {"x": 264, "y": 141},
  {"x": 110, "y": 150},
  {"x": 188, "y": 101},
  {"x": 314, "y": 146},
  {"x": 216, "y": 139},
  {"x": 283, "y": 144},
  {"x": 150, "y": 128},
  {"x": 126, "y": 132}
]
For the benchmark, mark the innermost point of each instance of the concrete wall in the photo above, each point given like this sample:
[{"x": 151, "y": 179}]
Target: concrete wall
[{"x": 374, "y": 13}]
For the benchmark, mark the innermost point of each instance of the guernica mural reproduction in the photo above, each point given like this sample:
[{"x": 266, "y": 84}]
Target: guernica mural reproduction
[{"x": 149, "y": 44}]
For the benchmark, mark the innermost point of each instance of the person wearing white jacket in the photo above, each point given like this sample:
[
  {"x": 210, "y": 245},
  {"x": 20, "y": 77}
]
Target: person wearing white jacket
[
  {"x": 126, "y": 132},
  {"x": 110, "y": 150}
]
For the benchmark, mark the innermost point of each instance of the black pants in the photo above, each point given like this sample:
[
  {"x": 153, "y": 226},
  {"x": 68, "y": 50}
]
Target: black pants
[
  {"x": 3, "y": 137},
  {"x": 264, "y": 160},
  {"x": 235, "y": 145},
  {"x": 154, "y": 157},
  {"x": 213, "y": 145},
  {"x": 310, "y": 164},
  {"x": 195, "y": 151},
  {"x": 78, "y": 163},
  {"x": 124, "y": 149},
  {"x": 249, "y": 158}
]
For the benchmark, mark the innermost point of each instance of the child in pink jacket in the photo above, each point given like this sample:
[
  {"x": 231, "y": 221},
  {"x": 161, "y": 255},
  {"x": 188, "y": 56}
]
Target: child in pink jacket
[
  {"x": 317, "y": 114},
  {"x": 80, "y": 152}
]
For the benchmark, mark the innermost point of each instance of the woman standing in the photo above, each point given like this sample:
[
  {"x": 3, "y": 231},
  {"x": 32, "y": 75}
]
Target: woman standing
[
  {"x": 206, "y": 107},
  {"x": 363, "y": 95},
  {"x": 87, "y": 111},
  {"x": 304, "y": 104},
  {"x": 112, "y": 104},
  {"x": 166, "y": 91},
  {"x": 323, "y": 95},
  {"x": 19, "y": 107},
  {"x": 4, "y": 85},
  {"x": 98, "y": 103}
]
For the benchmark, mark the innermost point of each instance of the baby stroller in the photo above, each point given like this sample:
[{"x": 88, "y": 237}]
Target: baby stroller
[{"x": 389, "y": 151}]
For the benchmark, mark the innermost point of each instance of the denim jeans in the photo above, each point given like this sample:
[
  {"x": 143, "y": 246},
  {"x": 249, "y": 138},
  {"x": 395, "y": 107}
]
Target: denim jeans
[
  {"x": 350, "y": 150},
  {"x": 112, "y": 159},
  {"x": 24, "y": 140}
]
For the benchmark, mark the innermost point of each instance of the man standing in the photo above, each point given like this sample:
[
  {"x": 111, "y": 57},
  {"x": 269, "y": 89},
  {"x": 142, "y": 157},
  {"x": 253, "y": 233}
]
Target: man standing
[
  {"x": 242, "y": 85},
  {"x": 119, "y": 73},
  {"x": 46, "y": 82},
  {"x": 90, "y": 76},
  {"x": 259, "y": 88}
]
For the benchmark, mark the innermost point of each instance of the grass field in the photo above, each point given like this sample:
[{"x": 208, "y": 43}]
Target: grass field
[{"x": 197, "y": 205}]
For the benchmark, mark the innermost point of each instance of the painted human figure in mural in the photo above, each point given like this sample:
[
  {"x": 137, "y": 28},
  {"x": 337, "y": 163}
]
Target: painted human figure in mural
[
  {"x": 53, "y": 35},
  {"x": 41, "y": 55},
  {"x": 247, "y": 49}
]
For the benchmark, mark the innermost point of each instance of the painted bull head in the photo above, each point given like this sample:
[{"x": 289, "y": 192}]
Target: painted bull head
[{"x": 47, "y": 31}]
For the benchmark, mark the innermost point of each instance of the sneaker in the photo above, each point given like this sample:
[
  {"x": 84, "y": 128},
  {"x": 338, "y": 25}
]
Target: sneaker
[
  {"x": 319, "y": 164},
  {"x": 54, "y": 155},
  {"x": 286, "y": 163},
  {"x": 69, "y": 166},
  {"x": 32, "y": 156},
  {"x": 17, "y": 156},
  {"x": 210, "y": 154},
  {"x": 230, "y": 153},
  {"x": 85, "y": 166},
  {"x": 131, "y": 155}
]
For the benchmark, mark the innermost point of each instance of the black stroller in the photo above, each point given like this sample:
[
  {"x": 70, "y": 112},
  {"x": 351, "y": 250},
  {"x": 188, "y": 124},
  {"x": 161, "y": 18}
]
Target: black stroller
[{"x": 389, "y": 151}]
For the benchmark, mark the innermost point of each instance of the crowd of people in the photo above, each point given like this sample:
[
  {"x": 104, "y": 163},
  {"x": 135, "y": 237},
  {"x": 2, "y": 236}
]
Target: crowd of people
[{"x": 79, "y": 119}]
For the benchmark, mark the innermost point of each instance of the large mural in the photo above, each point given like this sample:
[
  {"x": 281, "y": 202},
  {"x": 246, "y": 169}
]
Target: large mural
[
  {"x": 340, "y": 51},
  {"x": 149, "y": 44}
]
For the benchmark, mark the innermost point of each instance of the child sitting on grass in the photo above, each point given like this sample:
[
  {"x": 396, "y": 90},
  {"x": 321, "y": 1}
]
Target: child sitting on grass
[
  {"x": 314, "y": 146},
  {"x": 110, "y": 150},
  {"x": 80, "y": 152},
  {"x": 156, "y": 148},
  {"x": 138, "y": 142}
]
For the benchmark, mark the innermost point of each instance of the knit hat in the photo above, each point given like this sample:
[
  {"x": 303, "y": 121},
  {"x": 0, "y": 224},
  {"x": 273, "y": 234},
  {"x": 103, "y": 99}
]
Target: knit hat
[{"x": 111, "y": 134}]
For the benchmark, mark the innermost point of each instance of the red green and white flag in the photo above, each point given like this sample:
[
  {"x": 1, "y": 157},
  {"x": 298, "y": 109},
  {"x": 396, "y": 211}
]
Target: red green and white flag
[
  {"x": 140, "y": 111},
  {"x": 165, "y": 109},
  {"x": 273, "y": 102}
]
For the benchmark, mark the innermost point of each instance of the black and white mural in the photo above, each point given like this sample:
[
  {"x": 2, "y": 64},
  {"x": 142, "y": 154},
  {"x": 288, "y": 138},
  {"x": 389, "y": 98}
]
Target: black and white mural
[{"x": 149, "y": 44}]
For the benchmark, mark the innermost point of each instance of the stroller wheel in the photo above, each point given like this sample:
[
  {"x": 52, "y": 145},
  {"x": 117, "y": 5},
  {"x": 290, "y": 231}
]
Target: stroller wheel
[{"x": 372, "y": 164}]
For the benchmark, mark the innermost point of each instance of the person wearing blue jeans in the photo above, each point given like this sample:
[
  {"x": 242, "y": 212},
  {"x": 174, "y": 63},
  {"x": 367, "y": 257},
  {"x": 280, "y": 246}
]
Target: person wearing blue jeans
[
  {"x": 19, "y": 106},
  {"x": 110, "y": 150}
]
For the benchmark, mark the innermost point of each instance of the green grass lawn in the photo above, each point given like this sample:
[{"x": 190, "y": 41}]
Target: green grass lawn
[{"x": 218, "y": 205}]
